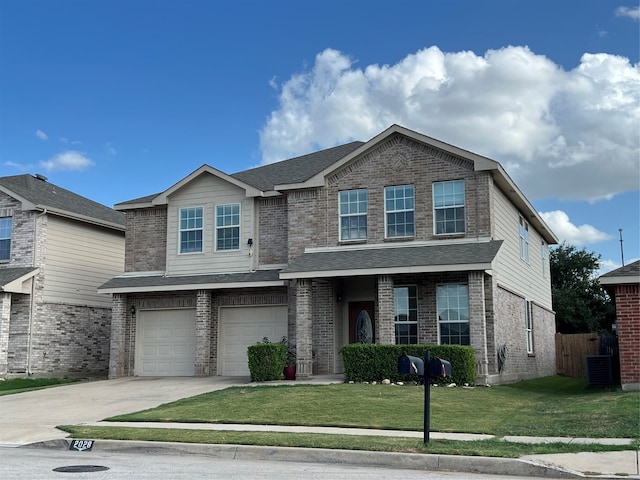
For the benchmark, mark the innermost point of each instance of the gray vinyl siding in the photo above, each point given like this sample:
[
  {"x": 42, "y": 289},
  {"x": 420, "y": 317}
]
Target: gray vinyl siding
[
  {"x": 525, "y": 279},
  {"x": 207, "y": 192},
  {"x": 78, "y": 259}
]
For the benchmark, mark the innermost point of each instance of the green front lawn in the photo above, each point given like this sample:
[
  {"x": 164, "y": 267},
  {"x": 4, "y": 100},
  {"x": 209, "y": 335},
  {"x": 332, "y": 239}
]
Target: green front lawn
[
  {"x": 553, "y": 406},
  {"x": 18, "y": 385}
]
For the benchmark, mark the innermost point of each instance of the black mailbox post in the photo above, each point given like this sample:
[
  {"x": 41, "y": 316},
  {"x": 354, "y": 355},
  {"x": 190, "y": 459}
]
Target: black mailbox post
[{"x": 431, "y": 367}]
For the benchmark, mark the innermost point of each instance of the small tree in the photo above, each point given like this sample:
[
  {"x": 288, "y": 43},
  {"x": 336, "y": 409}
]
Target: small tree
[{"x": 580, "y": 302}]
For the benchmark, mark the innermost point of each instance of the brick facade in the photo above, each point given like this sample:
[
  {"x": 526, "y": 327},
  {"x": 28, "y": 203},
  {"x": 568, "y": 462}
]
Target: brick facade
[
  {"x": 627, "y": 298},
  {"x": 146, "y": 240}
]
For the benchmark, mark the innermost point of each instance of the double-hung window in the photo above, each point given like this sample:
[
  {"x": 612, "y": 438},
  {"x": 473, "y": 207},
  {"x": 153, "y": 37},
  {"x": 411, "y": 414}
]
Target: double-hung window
[
  {"x": 191, "y": 230},
  {"x": 405, "y": 305},
  {"x": 5, "y": 238},
  {"x": 353, "y": 215},
  {"x": 524, "y": 239},
  {"x": 453, "y": 313},
  {"x": 448, "y": 207},
  {"x": 399, "y": 211},
  {"x": 228, "y": 227},
  {"x": 528, "y": 321}
]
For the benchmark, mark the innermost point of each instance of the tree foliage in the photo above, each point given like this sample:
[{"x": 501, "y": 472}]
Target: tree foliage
[{"x": 580, "y": 302}]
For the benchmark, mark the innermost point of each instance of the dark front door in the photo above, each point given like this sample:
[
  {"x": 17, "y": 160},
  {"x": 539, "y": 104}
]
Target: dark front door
[{"x": 361, "y": 322}]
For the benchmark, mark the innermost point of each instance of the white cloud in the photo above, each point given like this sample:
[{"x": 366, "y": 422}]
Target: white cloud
[
  {"x": 566, "y": 134},
  {"x": 69, "y": 160},
  {"x": 561, "y": 225},
  {"x": 630, "y": 12},
  {"x": 41, "y": 135},
  {"x": 110, "y": 149}
]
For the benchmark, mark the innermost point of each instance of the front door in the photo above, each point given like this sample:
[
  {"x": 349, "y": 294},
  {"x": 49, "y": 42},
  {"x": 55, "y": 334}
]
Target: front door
[{"x": 361, "y": 322}]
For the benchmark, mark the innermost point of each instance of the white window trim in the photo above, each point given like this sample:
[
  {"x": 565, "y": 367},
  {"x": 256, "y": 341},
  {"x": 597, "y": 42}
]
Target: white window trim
[
  {"x": 524, "y": 238},
  {"x": 464, "y": 205},
  {"x": 447, "y": 321},
  {"x": 180, "y": 230},
  {"x": 408, "y": 322},
  {"x": 386, "y": 230},
  {"x": 544, "y": 254},
  {"x": 528, "y": 324},
  {"x": 347, "y": 215},
  {"x": 216, "y": 228}
]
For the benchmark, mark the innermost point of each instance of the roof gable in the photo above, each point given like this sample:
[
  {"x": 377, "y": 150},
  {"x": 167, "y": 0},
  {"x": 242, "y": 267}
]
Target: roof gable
[{"x": 36, "y": 193}]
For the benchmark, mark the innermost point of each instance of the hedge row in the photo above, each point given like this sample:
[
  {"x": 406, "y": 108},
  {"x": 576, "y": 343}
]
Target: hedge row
[
  {"x": 267, "y": 361},
  {"x": 373, "y": 362}
]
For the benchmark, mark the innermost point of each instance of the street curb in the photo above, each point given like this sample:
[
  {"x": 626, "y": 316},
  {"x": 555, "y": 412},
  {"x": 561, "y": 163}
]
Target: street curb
[{"x": 406, "y": 461}]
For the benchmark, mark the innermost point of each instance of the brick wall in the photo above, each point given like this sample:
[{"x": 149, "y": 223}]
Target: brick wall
[
  {"x": 627, "y": 298},
  {"x": 22, "y": 232},
  {"x": 272, "y": 221},
  {"x": 146, "y": 240}
]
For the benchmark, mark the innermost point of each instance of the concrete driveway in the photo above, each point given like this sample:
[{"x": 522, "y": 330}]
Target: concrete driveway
[{"x": 32, "y": 416}]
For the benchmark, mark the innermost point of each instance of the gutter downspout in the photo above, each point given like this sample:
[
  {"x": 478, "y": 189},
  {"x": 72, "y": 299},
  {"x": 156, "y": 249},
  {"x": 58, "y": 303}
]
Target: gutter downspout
[{"x": 32, "y": 302}]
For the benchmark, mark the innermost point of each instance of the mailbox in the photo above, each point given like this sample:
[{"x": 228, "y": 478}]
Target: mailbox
[
  {"x": 411, "y": 365},
  {"x": 439, "y": 368}
]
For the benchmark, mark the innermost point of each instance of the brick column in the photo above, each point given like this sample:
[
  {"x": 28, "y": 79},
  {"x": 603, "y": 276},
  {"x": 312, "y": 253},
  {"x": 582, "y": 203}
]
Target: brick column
[
  {"x": 304, "y": 330},
  {"x": 478, "y": 323},
  {"x": 627, "y": 298},
  {"x": 203, "y": 333},
  {"x": 118, "y": 336},
  {"x": 385, "y": 321},
  {"x": 5, "y": 320}
]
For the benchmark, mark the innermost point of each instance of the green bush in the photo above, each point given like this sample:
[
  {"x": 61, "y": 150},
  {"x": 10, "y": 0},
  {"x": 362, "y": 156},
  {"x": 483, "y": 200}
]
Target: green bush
[
  {"x": 372, "y": 362},
  {"x": 266, "y": 360}
]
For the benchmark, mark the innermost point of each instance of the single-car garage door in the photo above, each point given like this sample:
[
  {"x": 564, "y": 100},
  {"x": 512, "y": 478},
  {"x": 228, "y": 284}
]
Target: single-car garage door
[
  {"x": 165, "y": 344},
  {"x": 244, "y": 326}
]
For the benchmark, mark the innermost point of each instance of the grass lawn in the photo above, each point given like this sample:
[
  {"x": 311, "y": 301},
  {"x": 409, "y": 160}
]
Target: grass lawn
[
  {"x": 553, "y": 406},
  {"x": 18, "y": 385}
]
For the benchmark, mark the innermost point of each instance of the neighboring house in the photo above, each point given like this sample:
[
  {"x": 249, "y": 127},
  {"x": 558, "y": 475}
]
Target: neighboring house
[
  {"x": 428, "y": 242},
  {"x": 623, "y": 285},
  {"x": 56, "y": 248}
]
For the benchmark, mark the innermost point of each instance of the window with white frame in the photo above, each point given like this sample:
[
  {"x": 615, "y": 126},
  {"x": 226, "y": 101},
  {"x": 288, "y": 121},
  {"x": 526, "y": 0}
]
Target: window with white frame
[
  {"x": 453, "y": 314},
  {"x": 353, "y": 215},
  {"x": 191, "y": 230},
  {"x": 228, "y": 227},
  {"x": 544, "y": 254},
  {"x": 524, "y": 240},
  {"x": 399, "y": 211},
  {"x": 528, "y": 326},
  {"x": 5, "y": 238},
  {"x": 405, "y": 306},
  {"x": 448, "y": 207}
]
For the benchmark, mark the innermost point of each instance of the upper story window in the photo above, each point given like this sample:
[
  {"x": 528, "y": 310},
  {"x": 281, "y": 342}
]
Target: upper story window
[
  {"x": 405, "y": 305},
  {"x": 448, "y": 207},
  {"x": 453, "y": 314},
  {"x": 524, "y": 240},
  {"x": 353, "y": 215},
  {"x": 228, "y": 227},
  {"x": 5, "y": 238},
  {"x": 191, "y": 230},
  {"x": 544, "y": 254},
  {"x": 399, "y": 211}
]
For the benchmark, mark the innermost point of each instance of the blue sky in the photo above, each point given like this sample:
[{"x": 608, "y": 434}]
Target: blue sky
[{"x": 119, "y": 99}]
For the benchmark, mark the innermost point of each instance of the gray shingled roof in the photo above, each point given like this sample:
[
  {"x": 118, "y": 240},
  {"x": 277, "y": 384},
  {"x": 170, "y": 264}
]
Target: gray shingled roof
[
  {"x": 8, "y": 275},
  {"x": 396, "y": 257},
  {"x": 294, "y": 170},
  {"x": 45, "y": 194},
  {"x": 134, "y": 282},
  {"x": 629, "y": 272}
]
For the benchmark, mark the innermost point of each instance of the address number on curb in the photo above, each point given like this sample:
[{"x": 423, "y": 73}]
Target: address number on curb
[{"x": 81, "y": 445}]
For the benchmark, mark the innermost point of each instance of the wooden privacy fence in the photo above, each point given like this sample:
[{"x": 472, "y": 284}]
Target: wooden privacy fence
[{"x": 571, "y": 351}]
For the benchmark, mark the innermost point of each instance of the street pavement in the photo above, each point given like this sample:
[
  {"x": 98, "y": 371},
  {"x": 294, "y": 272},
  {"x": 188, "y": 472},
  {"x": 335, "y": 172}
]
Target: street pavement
[{"x": 30, "y": 418}]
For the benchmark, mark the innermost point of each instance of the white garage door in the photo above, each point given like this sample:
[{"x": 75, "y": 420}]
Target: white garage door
[
  {"x": 166, "y": 342},
  {"x": 244, "y": 326}
]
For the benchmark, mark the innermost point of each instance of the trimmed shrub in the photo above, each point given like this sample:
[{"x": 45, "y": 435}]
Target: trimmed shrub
[
  {"x": 373, "y": 362},
  {"x": 266, "y": 360}
]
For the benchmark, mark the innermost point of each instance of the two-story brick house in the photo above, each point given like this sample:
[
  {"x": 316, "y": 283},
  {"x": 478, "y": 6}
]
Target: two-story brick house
[
  {"x": 56, "y": 248},
  {"x": 401, "y": 239}
]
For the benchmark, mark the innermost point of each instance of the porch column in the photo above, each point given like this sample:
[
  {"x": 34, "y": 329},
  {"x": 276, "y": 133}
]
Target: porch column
[
  {"x": 478, "y": 324},
  {"x": 118, "y": 336},
  {"x": 304, "y": 331},
  {"x": 203, "y": 333},
  {"x": 5, "y": 320},
  {"x": 385, "y": 323}
]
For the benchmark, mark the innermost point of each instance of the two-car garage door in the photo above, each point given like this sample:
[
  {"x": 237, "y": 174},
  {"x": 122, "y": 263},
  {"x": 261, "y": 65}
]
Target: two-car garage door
[{"x": 166, "y": 339}]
